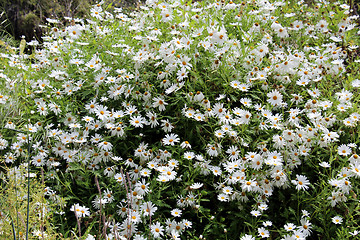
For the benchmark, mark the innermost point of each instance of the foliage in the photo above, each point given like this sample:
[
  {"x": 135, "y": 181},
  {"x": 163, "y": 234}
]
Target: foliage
[
  {"x": 13, "y": 205},
  {"x": 205, "y": 120}
]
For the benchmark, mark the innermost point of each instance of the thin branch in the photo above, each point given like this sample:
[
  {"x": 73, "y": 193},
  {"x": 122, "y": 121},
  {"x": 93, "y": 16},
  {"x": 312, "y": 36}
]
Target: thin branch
[
  {"x": 98, "y": 187},
  {"x": 41, "y": 206},
  {"x": 127, "y": 197},
  {"x": 28, "y": 188},
  {"x": 78, "y": 221},
  {"x": 13, "y": 228}
]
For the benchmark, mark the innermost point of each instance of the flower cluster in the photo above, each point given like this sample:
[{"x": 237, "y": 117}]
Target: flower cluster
[{"x": 177, "y": 105}]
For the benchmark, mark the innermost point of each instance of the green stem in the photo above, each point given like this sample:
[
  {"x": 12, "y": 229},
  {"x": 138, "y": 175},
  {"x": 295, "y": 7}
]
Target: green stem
[
  {"x": 13, "y": 227},
  {"x": 28, "y": 189},
  {"x": 298, "y": 204},
  {"x": 16, "y": 207}
]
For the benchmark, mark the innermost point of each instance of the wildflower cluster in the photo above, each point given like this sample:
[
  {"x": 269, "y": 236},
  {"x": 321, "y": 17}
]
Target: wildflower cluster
[{"x": 176, "y": 108}]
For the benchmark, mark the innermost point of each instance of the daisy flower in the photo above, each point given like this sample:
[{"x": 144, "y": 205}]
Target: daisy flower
[
  {"x": 176, "y": 212},
  {"x": 305, "y": 213},
  {"x": 219, "y": 133},
  {"x": 355, "y": 168},
  {"x": 80, "y": 211},
  {"x": 356, "y": 83},
  {"x": 88, "y": 119},
  {"x": 162, "y": 178},
  {"x": 235, "y": 84},
  {"x": 344, "y": 150},
  {"x": 109, "y": 171},
  {"x": 187, "y": 223},
  {"x": 119, "y": 178},
  {"x": 106, "y": 146},
  {"x": 166, "y": 125},
  {"x": 274, "y": 158},
  {"x": 190, "y": 113},
  {"x": 10, "y": 125},
  {"x": 267, "y": 223},
  {"x": 305, "y": 227},
  {"x": 219, "y": 109},
  {"x": 212, "y": 150},
  {"x": 137, "y": 121},
  {"x": 233, "y": 152},
  {"x": 145, "y": 172},
  {"x": 170, "y": 139},
  {"x": 227, "y": 190},
  {"x": 4, "y": 144},
  {"x": 355, "y": 116},
  {"x": 184, "y": 62},
  {"x": 185, "y": 144},
  {"x": 175, "y": 235},
  {"x": 199, "y": 117},
  {"x": 290, "y": 227},
  {"x": 148, "y": 208},
  {"x": 296, "y": 98},
  {"x": 90, "y": 237},
  {"x": 196, "y": 185},
  {"x": 247, "y": 237},
  {"x": 246, "y": 101},
  {"x": 275, "y": 97},
  {"x": 337, "y": 220},
  {"x": 301, "y": 182},
  {"x": 108, "y": 195},
  {"x": 152, "y": 119},
  {"x": 342, "y": 107},
  {"x": 102, "y": 112},
  {"x": 255, "y": 213},
  {"x": 74, "y": 32},
  {"x": 298, "y": 235},
  {"x": 157, "y": 230},
  {"x": 263, "y": 207},
  {"x": 37, "y": 160},
  {"x": 216, "y": 170},
  {"x": 223, "y": 197},
  {"x": 263, "y": 233},
  {"x": 349, "y": 122},
  {"x": 39, "y": 234},
  {"x": 96, "y": 12},
  {"x": 249, "y": 185},
  {"x": 160, "y": 103},
  {"x": 189, "y": 155},
  {"x": 324, "y": 164}
]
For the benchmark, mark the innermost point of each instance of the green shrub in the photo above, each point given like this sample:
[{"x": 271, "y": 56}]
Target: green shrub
[{"x": 14, "y": 204}]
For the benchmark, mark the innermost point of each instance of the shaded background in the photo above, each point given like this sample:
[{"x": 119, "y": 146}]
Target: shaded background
[{"x": 23, "y": 17}]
